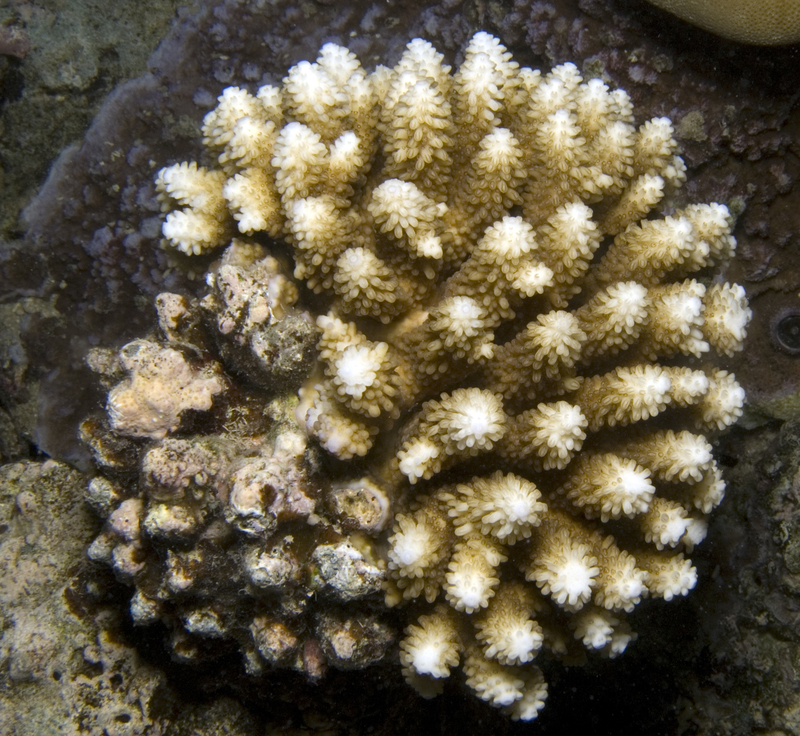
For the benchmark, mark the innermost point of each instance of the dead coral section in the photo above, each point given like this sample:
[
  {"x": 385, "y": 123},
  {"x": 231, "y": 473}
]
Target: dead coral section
[{"x": 228, "y": 540}]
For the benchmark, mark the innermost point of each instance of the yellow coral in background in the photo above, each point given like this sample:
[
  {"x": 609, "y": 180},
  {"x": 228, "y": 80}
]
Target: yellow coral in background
[
  {"x": 764, "y": 23},
  {"x": 513, "y": 338}
]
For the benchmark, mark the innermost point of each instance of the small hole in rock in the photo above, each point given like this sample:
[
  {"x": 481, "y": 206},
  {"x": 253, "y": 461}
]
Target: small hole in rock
[{"x": 786, "y": 332}]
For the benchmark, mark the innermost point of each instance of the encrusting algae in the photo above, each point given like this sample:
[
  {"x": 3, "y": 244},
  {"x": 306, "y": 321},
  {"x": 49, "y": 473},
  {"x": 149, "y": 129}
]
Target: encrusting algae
[{"x": 510, "y": 351}]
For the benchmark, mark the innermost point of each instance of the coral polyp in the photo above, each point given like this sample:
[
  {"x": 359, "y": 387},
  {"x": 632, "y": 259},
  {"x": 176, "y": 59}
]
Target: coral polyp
[{"x": 493, "y": 351}]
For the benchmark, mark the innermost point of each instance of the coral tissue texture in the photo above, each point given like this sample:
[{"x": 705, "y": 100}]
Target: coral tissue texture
[
  {"x": 769, "y": 23},
  {"x": 506, "y": 355}
]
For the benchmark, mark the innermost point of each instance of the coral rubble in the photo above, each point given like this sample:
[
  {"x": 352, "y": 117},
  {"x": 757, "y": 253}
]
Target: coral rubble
[{"x": 509, "y": 363}]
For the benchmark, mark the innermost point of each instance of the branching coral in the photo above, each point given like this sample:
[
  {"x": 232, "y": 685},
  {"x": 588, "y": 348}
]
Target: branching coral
[{"x": 506, "y": 332}]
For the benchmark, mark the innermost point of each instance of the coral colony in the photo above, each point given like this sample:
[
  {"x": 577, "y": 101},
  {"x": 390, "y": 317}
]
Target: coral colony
[{"x": 506, "y": 357}]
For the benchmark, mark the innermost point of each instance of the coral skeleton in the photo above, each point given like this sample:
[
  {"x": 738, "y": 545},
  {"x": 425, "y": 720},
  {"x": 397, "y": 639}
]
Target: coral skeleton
[{"x": 494, "y": 349}]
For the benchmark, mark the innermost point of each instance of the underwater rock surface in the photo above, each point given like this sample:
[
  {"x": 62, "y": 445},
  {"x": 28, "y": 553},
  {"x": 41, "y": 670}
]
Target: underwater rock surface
[{"x": 738, "y": 124}]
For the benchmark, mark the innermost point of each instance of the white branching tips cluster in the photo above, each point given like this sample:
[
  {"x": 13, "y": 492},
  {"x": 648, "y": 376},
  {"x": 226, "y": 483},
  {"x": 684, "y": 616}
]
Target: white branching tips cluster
[{"x": 451, "y": 227}]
